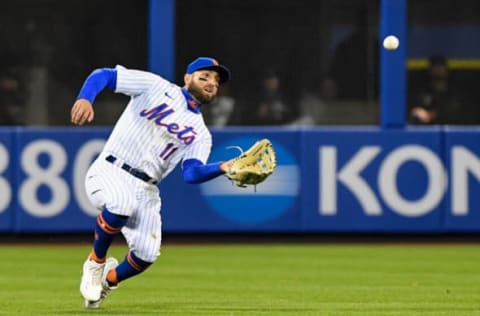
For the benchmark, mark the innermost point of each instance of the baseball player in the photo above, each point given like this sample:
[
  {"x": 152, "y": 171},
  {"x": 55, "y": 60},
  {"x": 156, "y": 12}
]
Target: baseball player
[{"x": 161, "y": 126}]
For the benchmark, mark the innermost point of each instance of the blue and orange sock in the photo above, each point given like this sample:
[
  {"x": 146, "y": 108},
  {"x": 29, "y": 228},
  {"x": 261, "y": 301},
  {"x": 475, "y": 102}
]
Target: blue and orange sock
[
  {"x": 129, "y": 267},
  {"x": 107, "y": 227}
]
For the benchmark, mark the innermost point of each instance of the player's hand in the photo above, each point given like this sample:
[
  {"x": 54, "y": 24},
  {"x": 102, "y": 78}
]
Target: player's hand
[
  {"x": 225, "y": 166},
  {"x": 82, "y": 112}
]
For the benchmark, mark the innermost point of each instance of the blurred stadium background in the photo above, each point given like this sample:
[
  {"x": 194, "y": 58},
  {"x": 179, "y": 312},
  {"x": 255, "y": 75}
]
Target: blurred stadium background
[{"x": 310, "y": 75}]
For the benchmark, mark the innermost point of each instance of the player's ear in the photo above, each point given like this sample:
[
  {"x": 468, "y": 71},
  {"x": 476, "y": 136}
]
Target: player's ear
[{"x": 187, "y": 78}]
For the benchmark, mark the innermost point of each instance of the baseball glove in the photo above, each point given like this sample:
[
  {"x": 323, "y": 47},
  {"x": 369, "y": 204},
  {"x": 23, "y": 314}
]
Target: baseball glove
[{"x": 254, "y": 165}]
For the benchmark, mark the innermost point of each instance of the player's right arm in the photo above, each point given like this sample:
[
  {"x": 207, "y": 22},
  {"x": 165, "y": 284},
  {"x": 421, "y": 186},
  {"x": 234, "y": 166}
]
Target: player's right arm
[{"x": 97, "y": 81}]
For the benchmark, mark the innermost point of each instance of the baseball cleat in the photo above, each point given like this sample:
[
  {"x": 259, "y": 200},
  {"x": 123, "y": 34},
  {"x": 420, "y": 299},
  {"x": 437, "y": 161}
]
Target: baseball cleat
[
  {"x": 91, "y": 283},
  {"x": 110, "y": 264}
]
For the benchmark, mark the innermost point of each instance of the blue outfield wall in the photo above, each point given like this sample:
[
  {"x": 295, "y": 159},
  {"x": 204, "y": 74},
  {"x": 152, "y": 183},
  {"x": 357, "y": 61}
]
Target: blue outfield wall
[{"x": 419, "y": 180}]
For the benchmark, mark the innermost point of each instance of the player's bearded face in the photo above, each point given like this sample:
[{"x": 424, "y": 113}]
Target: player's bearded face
[{"x": 203, "y": 85}]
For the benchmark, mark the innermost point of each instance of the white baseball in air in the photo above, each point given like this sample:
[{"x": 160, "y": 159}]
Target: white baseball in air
[{"x": 391, "y": 42}]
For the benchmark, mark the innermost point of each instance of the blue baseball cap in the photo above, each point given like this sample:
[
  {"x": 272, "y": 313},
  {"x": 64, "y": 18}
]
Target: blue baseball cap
[{"x": 208, "y": 63}]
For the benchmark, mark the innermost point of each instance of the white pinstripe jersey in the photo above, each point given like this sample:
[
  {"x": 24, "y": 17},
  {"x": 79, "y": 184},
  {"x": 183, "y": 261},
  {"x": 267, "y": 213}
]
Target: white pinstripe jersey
[{"x": 156, "y": 130}]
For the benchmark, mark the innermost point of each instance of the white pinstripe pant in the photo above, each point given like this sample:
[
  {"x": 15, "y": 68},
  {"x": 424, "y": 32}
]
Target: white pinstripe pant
[{"x": 108, "y": 186}]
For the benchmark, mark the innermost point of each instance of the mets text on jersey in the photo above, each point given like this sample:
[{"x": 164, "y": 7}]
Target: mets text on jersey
[{"x": 159, "y": 113}]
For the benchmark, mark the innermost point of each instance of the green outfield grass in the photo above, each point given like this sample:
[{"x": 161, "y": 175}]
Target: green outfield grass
[{"x": 293, "y": 279}]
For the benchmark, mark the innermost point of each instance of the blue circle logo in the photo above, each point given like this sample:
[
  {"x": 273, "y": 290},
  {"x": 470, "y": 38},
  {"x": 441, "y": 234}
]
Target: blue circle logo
[{"x": 272, "y": 198}]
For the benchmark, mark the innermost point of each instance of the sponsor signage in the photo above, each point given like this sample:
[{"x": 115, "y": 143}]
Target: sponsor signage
[{"x": 327, "y": 180}]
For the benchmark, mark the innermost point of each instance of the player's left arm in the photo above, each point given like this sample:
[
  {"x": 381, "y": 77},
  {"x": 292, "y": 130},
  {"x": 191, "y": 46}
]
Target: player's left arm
[
  {"x": 195, "y": 171},
  {"x": 196, "y": 168}
]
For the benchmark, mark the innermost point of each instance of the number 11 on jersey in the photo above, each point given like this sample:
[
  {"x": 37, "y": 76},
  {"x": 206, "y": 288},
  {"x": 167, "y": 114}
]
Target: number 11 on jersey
[{"x": 168, "y": 151}]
